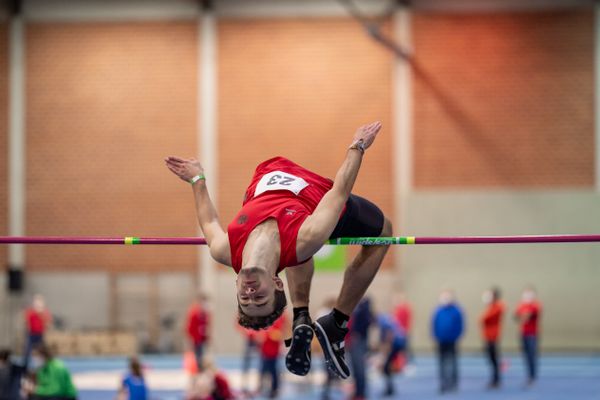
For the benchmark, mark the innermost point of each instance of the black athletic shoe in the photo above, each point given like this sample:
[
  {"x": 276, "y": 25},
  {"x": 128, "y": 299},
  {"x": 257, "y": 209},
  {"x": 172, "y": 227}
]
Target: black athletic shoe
[
  {"x": 331, "y": 337},
  {"x": 298, "y": 357}
]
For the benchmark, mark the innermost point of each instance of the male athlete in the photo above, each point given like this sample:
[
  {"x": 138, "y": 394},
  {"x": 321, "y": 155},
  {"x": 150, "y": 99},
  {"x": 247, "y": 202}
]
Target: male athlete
[{"x": 287, "y": 215}]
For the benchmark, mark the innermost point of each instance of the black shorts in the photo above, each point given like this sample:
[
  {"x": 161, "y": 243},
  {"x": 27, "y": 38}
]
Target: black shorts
[{"x": 361, "y": 219}]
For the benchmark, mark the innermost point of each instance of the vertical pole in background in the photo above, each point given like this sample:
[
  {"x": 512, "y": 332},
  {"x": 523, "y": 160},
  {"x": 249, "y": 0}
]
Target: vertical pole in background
[
  {"x": 16, "y": 162},
  {"x": 207, "y": 125},
  {"x": 16, "y": 139},
  {"x": 403, "y": 127},
  {"x": 597, "y": 95}
]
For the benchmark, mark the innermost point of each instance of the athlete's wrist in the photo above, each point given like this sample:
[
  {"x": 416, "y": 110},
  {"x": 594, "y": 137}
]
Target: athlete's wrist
[
  {"x": 197, "y": 178},
  {"x": 358, "y": 145}
]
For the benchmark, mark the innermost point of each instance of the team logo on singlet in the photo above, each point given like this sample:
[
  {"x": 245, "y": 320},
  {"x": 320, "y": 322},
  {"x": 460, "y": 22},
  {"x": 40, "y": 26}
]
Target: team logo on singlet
[
  {"x": 289, "y": 211},
  {"x": 242, "y": 219}
]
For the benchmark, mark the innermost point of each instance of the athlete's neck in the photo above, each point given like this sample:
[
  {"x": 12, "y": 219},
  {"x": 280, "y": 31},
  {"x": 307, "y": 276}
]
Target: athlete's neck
[{"x": 262, "y": 248}]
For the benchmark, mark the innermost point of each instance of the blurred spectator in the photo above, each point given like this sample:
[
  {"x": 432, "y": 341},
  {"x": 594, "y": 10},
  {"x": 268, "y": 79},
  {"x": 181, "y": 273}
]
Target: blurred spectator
[
  {"x": 133, "y": 386},
  {"x": 198, "y": 327},
  {"x": 392, "y": 343},
  {"x": 491, "y": 324},
  {"x": 37, "y": 320},
  {"x": 269, "y": 351},
  {"x": 10, "y": 377},
  {"x": 447, "y": 328},
  {"x": 528, "y": 315},
  {"x": 404, "y": 315},
  {"x": 330, "y": 377},
  {"x": 251, "y": 342},
  {"x": 52, "y": 380},
  {"x": 209, "y": 384},
  {"x": 358, "y": 345}
]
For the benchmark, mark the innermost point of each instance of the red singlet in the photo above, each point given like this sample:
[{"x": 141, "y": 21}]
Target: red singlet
[{"x": 282, "y": 190}]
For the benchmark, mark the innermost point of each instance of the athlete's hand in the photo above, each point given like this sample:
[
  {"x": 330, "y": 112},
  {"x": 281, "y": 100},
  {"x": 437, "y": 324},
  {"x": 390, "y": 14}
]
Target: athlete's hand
[
  {"x": 366, "y": 134},
  {"x": 185, "y": 169}
]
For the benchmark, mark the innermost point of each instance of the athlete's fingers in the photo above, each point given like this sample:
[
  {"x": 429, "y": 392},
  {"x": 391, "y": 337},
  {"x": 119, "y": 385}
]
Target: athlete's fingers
[
  {"x": 175, "y": 165},
  {"x": 175, "y": 159},
  {"x": 175, "y": 170}
]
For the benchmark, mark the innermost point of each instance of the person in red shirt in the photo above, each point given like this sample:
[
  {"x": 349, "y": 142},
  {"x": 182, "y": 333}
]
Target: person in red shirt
[
  {"x": 528, "y": 315},
  {"x": 272, "y": 339},
  {"x": 198, "y": 327},
  {"x": 403, "y": 315},
  {"x": 287, "y": 214},
  {"x": 491, "y": 327},
  {"x": 37, "y": 320}
]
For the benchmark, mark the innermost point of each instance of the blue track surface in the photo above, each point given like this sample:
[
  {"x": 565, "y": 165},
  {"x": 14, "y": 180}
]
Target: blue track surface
[{"x": 561, "y": 377}]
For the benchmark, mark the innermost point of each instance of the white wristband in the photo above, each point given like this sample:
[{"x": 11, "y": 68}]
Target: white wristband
[{"x": 197, "y": 178}]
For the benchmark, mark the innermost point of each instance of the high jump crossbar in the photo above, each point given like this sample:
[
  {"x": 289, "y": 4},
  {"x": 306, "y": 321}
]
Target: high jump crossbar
[{"x": 364, "y": 241}]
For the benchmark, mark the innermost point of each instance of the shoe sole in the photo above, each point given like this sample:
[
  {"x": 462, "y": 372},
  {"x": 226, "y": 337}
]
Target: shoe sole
[
  {"x": 297, "y": 360},
  {"x": 330, "y": 359}
]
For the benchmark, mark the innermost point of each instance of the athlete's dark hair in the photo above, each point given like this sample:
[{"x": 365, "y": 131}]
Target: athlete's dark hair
[{"x": 263, "y": 322}]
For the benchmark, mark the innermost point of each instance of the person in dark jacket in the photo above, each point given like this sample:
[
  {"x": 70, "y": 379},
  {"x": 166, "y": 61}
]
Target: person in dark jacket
[
  {"x": 392, "y": 342},
  {"x": 10, "y": 377},
  {"x": 447, "y": 327},
  {"x": 358, "y": 345}
]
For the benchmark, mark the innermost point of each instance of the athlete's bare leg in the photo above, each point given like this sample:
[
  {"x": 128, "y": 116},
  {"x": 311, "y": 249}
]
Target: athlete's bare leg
[
  {"x": 299, "y": 279},
  {"x": 360, "y": 273}
]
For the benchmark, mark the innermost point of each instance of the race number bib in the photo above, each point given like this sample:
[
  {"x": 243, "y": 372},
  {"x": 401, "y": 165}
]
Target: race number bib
[{"x": 278, "y": 180}]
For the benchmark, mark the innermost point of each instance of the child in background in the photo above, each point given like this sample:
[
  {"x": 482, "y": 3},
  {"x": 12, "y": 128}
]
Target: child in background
[
  {"x": 447, "y": 327},
  {"x": 37, "y": 321},
  {"x": 491, "y": 327},
  {"x": 404, "y": 317},
  {"x": 133, "y": 386},
  {"x": 269, "y": 350},
  {"x": 358, "y": 346},
  {"x": 52, "y": 380},
  {"x": 392, "y": 342},
  {"x": 528, "y": 315},
  {"x": 209, "y": 384},
  {"x": 251, "y": 343}
]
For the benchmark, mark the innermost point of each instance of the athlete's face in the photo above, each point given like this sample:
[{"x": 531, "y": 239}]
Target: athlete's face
[{"x": 256, "y": 291}]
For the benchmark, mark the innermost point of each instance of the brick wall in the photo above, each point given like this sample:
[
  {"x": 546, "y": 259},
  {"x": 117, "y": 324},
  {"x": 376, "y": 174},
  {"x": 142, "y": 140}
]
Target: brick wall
[
  {"x": 299, "y": 88},
  {"x": 3, "y": 136},
  {"x": 504, "y": 100},
  {"x": 105, "y": 103}
]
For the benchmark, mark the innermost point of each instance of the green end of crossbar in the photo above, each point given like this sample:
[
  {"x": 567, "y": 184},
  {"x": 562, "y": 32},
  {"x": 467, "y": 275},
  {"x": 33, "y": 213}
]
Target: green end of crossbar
[{"x": 132, "y": 240}]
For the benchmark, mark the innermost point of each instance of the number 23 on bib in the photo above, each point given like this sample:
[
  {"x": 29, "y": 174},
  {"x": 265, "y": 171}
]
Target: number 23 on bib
[{"x": 279, "y": 180}]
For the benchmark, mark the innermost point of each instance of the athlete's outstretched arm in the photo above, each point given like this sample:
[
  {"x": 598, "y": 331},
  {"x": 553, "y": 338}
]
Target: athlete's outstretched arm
[
  {"x": 318, "y": 227},
  {"x": 217, "y": 239}
]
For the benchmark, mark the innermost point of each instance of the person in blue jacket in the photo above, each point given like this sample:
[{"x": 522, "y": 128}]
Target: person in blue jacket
[
  {"x": 133, "y": 386},
  {"x": 447, "y": 327}
]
